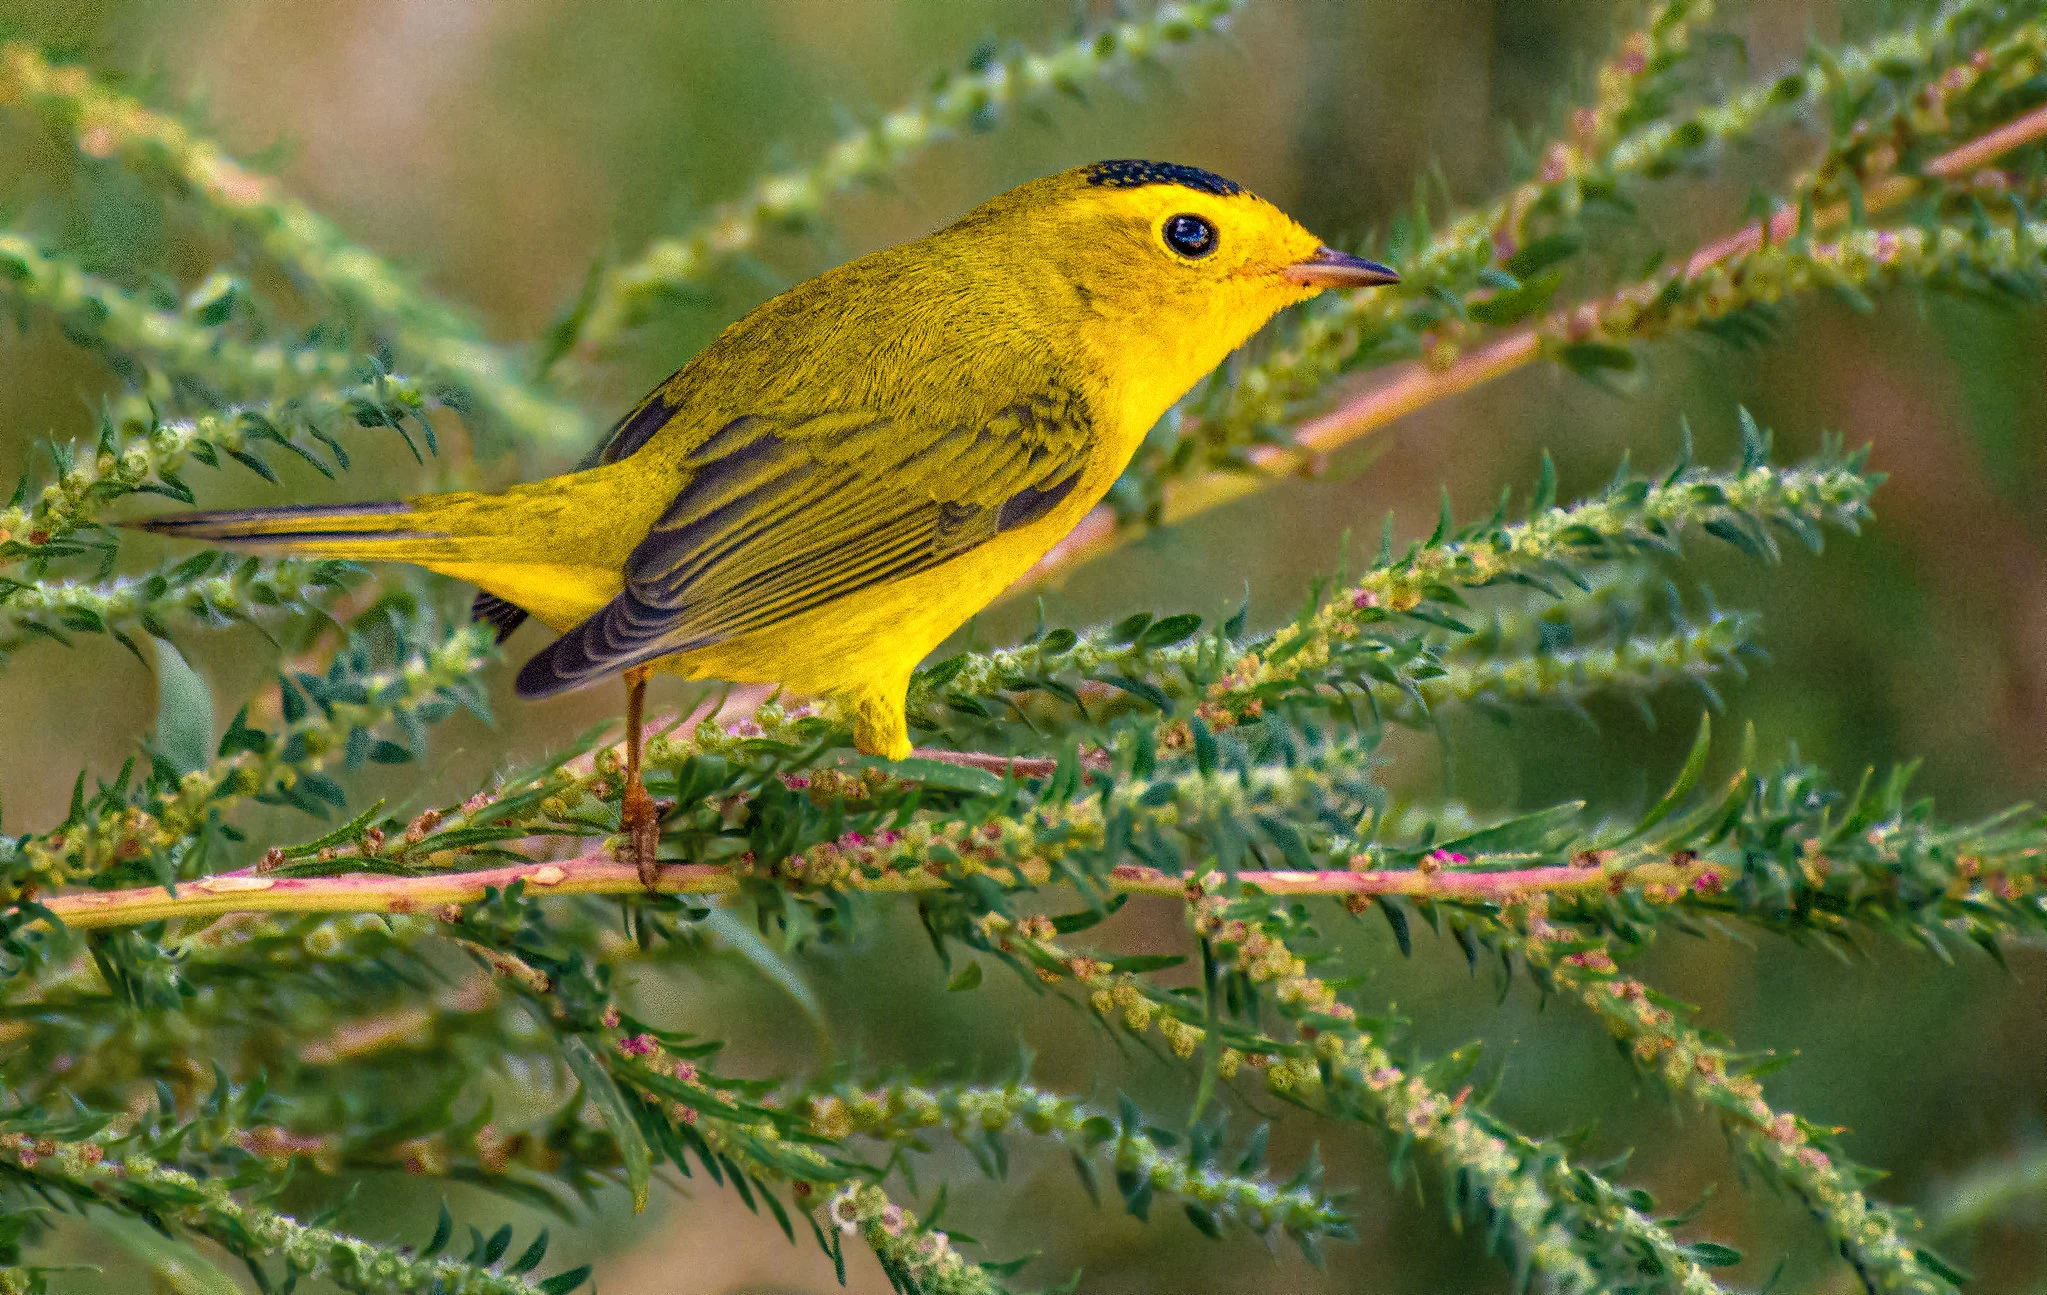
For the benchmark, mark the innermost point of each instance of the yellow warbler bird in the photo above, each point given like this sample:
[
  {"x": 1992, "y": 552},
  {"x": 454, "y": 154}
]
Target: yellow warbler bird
[{"x": 857, "y": 466}]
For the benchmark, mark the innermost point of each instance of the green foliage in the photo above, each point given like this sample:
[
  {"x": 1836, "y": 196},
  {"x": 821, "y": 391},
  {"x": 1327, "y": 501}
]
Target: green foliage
[
  {"x": 998, "y": 85},
  {"x": 209, "y": 1015}
]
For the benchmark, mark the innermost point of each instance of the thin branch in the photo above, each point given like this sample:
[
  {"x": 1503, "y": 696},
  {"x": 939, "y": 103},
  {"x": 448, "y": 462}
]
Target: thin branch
[
  {"x": 207, "y": 1207},
  {"x": 101, "y": 314},
  {"x": 1801, "y": 1155},
  {"x": 1419, "y": 385},
  {"x": 133, "y": 456},
  {"x": 600, "y": 874}
]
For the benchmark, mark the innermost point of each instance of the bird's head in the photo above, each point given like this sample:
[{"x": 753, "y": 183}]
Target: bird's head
[{"x": 1168, "y": 268}]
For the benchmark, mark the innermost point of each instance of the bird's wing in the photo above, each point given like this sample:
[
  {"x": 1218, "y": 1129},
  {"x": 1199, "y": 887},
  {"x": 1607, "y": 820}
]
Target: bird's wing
[
  {"x": 783, "y": 515},
  {"x": 626, "y": 437}
]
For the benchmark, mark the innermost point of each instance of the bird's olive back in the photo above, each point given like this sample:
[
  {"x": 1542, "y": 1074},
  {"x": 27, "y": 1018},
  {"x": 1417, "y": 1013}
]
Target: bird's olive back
[{"x": 1124, "y": 281}]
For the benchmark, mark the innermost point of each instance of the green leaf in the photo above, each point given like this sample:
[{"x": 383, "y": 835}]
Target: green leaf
[
  {"x": 1545, "y": 487},
  {"x": 1057, "y": 643},
  {"x": 561, "y": 335},
  {"x": 531, "y": 1257},
  {"x": 1687, "y": 778},
  {"x": 563, "y": 1283},
  {"x": 1445, "y": 524},
  {"x": 347, "y": 834},
  {"x": 940, "y": 673},
  {"x": 617, "y": 1115},
  {"x": 743, "y": 940},
  {"x": 1594, "y": 360},
  {"x": 1143, "y": 962},
  {"x": 252, "y": 463},
  {"x": 1711, "y": 1254},
  {"x": 1533, "y": 831},
  {"x": 967, "y": 977},
  {"x": 291, "y": 703},
  {"x": 1755, "y": 442},
  {"x": 1068, "y": 923},
  {"x": 444, "y": 1231},
  {"x": 1543, "y": 253},
  {"x": 1941, "y": 1267},
  {"x": 184, "y": 711},
  {"x": 241, "y": 737},
  {"x": 178, "y": 1268},
  {"x": 1396, "y": 917},
  {"x": 1171, "y": 630},
  {"x": 1127, "y": 630},
  {"x": 1138, "y": 688},
  {"x": 1518, "y": 303},
  {"x": 494, "y": 1249},
  {"x": 938, "y": 774}
]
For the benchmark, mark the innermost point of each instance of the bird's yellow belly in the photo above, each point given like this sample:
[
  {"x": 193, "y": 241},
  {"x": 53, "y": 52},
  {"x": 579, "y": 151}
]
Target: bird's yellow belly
[{"x": 871, "y": 641}]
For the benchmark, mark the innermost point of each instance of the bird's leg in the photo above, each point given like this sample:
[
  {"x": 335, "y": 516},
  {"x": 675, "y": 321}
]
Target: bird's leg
[{"x": 638, "y": 817}]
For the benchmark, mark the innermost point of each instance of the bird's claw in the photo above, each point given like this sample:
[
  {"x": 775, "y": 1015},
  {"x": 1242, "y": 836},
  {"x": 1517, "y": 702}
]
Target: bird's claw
[{"x": 640, "y": 819}]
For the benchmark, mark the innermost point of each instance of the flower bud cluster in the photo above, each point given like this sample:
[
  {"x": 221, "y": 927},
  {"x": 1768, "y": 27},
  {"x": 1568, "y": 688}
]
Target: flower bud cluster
[
  {"x": 924, "y": 1255},
  {"x": 1336, "y": 333},
  {"x": 1863, "y": 259},
  {"x": 130, "y": 604},
  {"x": 898, "y": 1112},
  {"x": 207, "y": 1207},
  {"x": 1971, "y": 95},
  {"x": 1363, "y": 1072},
  {"x": 1628, "y": 517}
]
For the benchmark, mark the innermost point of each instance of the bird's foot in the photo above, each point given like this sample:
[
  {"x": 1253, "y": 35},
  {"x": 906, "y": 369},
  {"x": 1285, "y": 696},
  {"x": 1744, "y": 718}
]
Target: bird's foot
[{"x": 640, "y": 819}]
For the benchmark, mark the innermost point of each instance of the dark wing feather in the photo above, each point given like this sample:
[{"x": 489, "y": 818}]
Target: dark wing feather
[
  {"x": 626, "y": 436},
  {"x": 634, "y": 430},
  {"x": 503, "y": 616},
  {"x": 783, "y": 516}
]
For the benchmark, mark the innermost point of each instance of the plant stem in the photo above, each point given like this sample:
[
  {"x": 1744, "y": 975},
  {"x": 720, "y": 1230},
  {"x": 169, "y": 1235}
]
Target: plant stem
[
  {"x": 206, "y": 1206},
  {"x": 1688, "y": 1062},
  {"x": 601, "y": 874},
  {"x": 1419, "y": 385}
]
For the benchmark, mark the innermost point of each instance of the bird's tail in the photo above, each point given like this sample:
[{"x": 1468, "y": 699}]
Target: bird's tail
[
  {"x": 533, "y": 547},
  {"x": 392, "y": 530}
]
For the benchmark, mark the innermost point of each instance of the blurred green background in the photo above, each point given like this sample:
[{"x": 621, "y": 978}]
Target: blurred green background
[{"x": 495, "y": 147}]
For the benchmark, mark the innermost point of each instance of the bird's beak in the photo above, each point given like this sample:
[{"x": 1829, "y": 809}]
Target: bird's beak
[{"x": 1329, "y": 268}]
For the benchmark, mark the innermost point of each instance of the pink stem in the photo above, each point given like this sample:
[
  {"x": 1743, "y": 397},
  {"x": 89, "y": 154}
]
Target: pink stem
[
  {"x": 1023, "y": 766},
  {"x": 600, "y": 874}
]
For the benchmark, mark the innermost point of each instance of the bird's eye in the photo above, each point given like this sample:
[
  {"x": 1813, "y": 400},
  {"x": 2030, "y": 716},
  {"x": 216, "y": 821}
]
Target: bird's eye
[{"x": 1190, "y": 236}]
